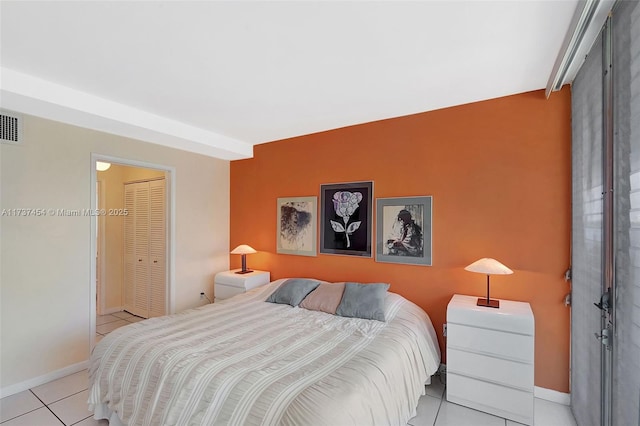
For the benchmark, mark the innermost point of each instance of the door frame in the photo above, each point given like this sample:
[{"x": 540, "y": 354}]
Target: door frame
[
  {"x": 170, "y": 190},
  {"x": 100, "y": 257}
]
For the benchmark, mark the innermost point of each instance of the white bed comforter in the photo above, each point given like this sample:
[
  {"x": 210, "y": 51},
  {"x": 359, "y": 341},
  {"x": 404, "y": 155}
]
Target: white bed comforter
[{"x": 243, "y": 361}]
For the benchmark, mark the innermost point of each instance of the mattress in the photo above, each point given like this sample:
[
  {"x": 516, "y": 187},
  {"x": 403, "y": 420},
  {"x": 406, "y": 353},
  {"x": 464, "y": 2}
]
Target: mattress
[{"x": 243, "y": 361}]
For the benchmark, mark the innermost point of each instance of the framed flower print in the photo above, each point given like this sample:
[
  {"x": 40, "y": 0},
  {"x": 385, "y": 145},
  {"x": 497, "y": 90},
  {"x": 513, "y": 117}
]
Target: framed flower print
[{"x": 346, "y": 217}]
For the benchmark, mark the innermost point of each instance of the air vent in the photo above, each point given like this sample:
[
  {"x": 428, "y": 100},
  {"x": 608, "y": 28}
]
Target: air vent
[{"x": 10, "y": 128}]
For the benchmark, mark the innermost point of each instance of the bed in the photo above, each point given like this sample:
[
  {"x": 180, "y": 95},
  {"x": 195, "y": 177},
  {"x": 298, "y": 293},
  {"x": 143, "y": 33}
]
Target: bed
[{"x": 244, "y": 361}]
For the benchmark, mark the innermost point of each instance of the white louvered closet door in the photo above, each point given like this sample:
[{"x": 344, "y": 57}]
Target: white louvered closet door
[
  {"x": 157, "y": 249},
  {"x": 141, "y": 250},
  {"x": 144, "y": 247},
  {"x": 129, "y": 249}
]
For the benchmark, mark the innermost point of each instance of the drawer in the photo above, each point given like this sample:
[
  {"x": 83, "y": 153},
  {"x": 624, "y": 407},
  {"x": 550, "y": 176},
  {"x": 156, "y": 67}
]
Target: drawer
[
  {"x": 222, "y": 291},
  {"x": 510, "y": 373},
  {"x": 515, "y": 347},
  {"x": 501, "y": 401},
  {"x": 513, "y": 317}
]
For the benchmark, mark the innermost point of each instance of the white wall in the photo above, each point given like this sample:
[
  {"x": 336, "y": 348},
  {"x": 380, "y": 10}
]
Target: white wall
[{"x": 45, "y": 277}]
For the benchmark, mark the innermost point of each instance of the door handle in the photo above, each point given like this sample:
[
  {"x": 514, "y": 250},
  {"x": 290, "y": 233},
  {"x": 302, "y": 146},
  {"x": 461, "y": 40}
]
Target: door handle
[{"x": 604, "y": 302}]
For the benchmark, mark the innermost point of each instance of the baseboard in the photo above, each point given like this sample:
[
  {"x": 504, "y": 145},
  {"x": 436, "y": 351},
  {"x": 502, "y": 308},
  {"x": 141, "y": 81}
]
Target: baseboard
[
  {"x": 552, "y": 395},
  {"x": 41, "y": 380}
]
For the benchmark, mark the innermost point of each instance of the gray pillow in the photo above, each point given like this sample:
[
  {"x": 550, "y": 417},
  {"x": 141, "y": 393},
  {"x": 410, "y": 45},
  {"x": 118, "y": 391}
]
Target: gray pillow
[
  {"x": 293, "y": 291},
  {"x": 363, "y": 301}
]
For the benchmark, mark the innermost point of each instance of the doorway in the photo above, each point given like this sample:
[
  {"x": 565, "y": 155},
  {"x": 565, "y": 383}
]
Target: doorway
[{"x": 109, "y": 231}]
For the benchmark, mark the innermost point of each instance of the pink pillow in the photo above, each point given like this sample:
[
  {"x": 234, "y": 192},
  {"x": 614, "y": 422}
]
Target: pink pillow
[{"x": 325, "y": 298}]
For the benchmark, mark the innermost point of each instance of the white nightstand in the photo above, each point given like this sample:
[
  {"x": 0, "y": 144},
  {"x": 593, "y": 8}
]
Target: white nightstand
[
  {"x": 490, "y": 357},
  {"x": 227, "y": 284}
]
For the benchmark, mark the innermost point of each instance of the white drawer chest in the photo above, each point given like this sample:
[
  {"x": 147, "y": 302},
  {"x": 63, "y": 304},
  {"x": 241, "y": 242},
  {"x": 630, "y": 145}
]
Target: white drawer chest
[
  {"x": 227, "y": 284},
  {"x": 490, "y": 355}
]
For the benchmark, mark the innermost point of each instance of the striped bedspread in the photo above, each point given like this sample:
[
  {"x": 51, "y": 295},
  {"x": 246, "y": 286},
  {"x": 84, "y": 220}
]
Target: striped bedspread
[{"x": 243, "y": 361}]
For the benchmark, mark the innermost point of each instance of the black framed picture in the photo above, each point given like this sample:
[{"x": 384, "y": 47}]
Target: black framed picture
[
  {"x": 403, "y": 230},
  {"x": 345, "y": 218}
]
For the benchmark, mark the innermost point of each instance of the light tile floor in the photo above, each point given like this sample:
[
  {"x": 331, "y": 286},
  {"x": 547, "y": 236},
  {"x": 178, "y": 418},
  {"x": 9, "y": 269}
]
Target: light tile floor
[
  {"x": 64, "y": 401},
  {"x": 105, "y": 324},
  {"x": 57, "y": 403},
  {"x": 434, "y": 410}
]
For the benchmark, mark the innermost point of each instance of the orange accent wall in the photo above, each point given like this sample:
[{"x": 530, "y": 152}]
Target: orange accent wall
[{"x": 499, "y": 172}]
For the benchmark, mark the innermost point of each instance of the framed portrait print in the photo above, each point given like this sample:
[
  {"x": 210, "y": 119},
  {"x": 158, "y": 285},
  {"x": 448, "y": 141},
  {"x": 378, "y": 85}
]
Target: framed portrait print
[
  {"x": 403, "y": 230},
  {"x": 346, "y": 218},
  {"x": 297, "y": 225}
]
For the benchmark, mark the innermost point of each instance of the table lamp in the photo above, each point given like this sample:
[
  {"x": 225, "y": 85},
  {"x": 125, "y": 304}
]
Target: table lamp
[
  {"x": 243, "y": 250},
  {"x": 490, "y": 267}
]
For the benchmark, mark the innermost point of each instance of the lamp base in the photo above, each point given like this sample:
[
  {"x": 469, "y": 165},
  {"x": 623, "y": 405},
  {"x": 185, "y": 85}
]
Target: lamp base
[
  {"x": 244, "y": 271},
  {"x": 493, "y": 303}
]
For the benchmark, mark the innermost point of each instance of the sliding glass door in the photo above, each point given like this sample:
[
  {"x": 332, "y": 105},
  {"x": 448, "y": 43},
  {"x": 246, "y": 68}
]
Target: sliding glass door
[
  {"x": 605, "y": 383},
  {"x": 587, "y": 161},
  {"x": 626, "y": 89}
]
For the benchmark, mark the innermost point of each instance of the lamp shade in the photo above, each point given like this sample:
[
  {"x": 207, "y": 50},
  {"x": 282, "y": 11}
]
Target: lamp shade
[
  {"x": 243, "y": 249},
  {"x": 488, "y": 266}
]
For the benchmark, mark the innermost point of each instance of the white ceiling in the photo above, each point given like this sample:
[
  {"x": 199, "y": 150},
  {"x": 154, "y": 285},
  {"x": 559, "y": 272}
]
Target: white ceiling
[{"x": 219, "y": 77}]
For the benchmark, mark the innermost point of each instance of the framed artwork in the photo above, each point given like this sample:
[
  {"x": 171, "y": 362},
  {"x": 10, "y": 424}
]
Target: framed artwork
[
  {"x": 345, "y": 218},
  {"x": 403, "y": 230},
  {"x": 297, "y": 226}
]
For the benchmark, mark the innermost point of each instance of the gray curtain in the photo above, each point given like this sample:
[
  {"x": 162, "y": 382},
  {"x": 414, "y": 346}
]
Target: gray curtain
[
  {"x": 586, "y": 262},
  {"x": 626, "y": 92}
]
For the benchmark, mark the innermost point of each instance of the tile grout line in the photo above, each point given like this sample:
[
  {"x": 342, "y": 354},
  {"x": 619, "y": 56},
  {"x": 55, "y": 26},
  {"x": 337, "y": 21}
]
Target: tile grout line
[
  {"x": 121, "y": 319},
  {"x": 50, "y": 410},
  {"x": 68, "y": 396},
  {"x": 109, "y": 322},
  {"x": 20, "y": 415},
  {"x": 54, "y": 402},
  {"x": 435, "y": 420},
  {"x": 82, "y": 420}
]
